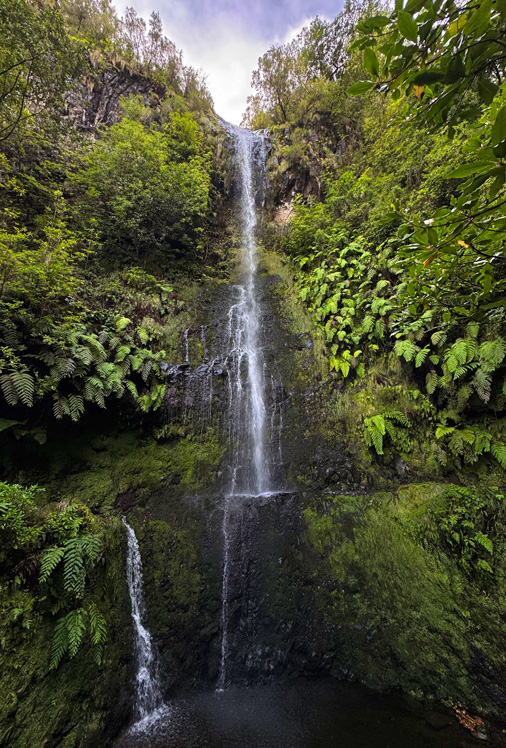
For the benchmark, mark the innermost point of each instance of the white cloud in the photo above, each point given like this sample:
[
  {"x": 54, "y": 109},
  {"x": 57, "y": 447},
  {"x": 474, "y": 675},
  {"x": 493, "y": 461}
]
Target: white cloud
[{"x": 215, "y": 39}]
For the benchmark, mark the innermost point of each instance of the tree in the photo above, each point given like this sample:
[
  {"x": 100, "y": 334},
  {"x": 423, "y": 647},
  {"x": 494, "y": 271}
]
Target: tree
[
  {"x": 38, "y": 61},
  {"x": 146, "y": 191},
  {"x": 449, "y": 60}
]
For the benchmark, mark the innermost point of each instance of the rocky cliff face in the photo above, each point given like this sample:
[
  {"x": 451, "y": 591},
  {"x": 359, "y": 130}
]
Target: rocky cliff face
[{"x": 96, "y": 103}]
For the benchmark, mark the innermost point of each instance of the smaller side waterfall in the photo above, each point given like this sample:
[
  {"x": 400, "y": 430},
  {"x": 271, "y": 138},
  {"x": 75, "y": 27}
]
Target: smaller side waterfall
[{"x": 148, "y": 693}]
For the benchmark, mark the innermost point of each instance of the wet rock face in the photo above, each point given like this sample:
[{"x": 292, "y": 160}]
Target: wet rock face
[
  {"x": 96, "y": 103},
  {"x": 275, "y": 629}
]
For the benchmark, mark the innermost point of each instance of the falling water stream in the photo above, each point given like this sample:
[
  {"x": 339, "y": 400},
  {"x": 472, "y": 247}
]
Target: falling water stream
[
  {"x": 148, "y": 696},
  {"x": 247, "y": 411},
  {"x": 303, "y": 713}
]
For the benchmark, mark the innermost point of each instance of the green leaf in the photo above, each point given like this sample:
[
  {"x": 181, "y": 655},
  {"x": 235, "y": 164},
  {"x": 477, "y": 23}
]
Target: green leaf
[
  {"x": 498, "y": 131},
  {"x": 371, "y": 62},
  {"x": 487, "y": 90},
  {"x": 360, "y": 88},
  {"x": 426, "y": 77},
  {"x": 407, "y": 25},
  {"x": 465, "y": 170}
]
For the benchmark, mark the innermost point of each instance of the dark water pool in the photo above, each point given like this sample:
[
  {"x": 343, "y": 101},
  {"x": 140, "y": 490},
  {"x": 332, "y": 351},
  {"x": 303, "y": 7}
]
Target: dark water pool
[{"x": 299, "y": 714}]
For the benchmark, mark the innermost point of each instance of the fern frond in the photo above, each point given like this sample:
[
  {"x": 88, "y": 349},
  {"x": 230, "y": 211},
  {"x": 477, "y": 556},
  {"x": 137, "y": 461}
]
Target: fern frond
[
  {"x": 9, "y": 389},
  {"x": 50, "y": 560},
  {"x": 76, "y": 406},
  {"x": 438, "y": 338},
  {"x": 379, "y": 329},
  {"x": 421, "y": 356},
  {"x": 396, "y": 415},
  {"x": 431, "y": 382},
  {"x": 95, "y": 347},
  {"x": 60, "y": 643},
  {"x": 406, "y": 349},
  {"x": 491, "y": 353},
  {"x": 130, "y": 386},
  {"x": 498, "y": 450},
  {"x": 76, "y": 627},
  {"x": 146, "y": 367},
  {"x": 25, "y": 386},
  {"x": 57, "y": 406},
  {"x": 98, "y": 631},
  {"x": 443, "y": 431},
  {"x": 83, "y": 354},
  {"x": 73, "y": 569},
  {"x": 482, "y": 384}
]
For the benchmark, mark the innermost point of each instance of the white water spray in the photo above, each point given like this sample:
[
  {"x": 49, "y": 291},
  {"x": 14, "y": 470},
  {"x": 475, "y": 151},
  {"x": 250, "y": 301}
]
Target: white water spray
[{"x": 149, "y": 703}]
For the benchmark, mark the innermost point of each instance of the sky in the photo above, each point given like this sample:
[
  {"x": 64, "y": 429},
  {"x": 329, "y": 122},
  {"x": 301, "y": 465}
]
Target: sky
[{"x": 225, "y": 38}]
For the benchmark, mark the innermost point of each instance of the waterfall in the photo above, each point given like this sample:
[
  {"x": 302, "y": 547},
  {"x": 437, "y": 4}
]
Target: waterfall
[
  {"x": 247, "y": 411},
  {"x": 249, "y": 466},
  {"x": 148, "y": 695}
]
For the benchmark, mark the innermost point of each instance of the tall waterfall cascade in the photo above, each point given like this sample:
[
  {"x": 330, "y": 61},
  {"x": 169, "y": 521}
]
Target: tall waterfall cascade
[
  {"x": 148, "y": 696},
  {"x": 249, "y": 466},
  {"x": 248, "y": 420}
]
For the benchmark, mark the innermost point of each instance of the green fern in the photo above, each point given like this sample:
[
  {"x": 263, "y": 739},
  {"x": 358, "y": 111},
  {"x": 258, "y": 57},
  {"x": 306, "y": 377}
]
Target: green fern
[
  {"x": 397, "y": 416},
  {"x": 68, "y": 635},
  {"x": 431, "y": 382},
  {"x": 482, "y": 384},
  {"x": 25, "y": 387},
  {"x": 491, "y": 354},
  {"x": 375, "y": 430},
  {"x": 498, "y": 450},
  {"x": 9, "y": 390},
  {"x": 98, "y": 631},
  {"x": 421, "y": 356},
  {"x": 50, "y": 560},
  {"x": 438, "y": 338},
  {"x": 406, "y": 349}
]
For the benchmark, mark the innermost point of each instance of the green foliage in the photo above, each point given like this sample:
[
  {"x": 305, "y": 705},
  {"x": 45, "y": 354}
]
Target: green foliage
[
  {"x": 397, "y": 245},
  {"x": 465, "y": 523},
  {"x": 28, "y": 533},
  {"x": 74, "y": 206},
  {"x": 157, "y": 210},
  {"x": 17, "y": 516},
  {"x": 37, "y": 59},
  {"x": 378, "y": 426},
  {"x": 451, "y": 78}
]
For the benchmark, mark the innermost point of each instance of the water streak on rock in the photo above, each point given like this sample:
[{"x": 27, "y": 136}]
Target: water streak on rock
[{"x": 148, "y": 701}]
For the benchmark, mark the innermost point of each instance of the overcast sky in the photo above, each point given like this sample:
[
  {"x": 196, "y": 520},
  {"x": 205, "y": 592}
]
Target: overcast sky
[{"x": 225, "y": 38}]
